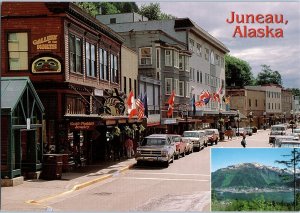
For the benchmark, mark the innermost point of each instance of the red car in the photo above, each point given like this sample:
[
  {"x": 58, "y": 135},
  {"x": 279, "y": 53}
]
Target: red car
[{"x": 180, "y": 146}]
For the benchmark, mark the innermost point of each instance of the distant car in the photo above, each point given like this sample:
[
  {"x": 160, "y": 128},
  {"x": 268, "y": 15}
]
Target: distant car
[
  {"x": 212, "y": 136},
  {"x": 276, "y": 130},
  {"x": 248, "y": 131},
  {"x": 180, "y": 146},
  {"x": 198, "y": 138},
  {"x": 239, "y": 131},
  {"x": 296, "y": 131},
  {"x": 188, "y": 145},
  {"x": 157, "y": 148},
  {"x": 279, "y": 138}
]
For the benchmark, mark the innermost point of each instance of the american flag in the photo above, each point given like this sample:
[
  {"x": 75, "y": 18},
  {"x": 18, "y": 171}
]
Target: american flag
[{"x": 140, "y": 107}]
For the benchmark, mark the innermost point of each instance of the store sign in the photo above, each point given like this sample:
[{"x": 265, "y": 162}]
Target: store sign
[
  {"x": 82, "y": 125},
  {"x": 169, "y": 121},
  {"x": 46, "y": 43},
  {"x": 46, "y": 65},
  {"x": 98, "y": 92}
]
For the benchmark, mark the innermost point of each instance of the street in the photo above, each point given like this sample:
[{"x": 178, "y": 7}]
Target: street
[{"x": 183, "y": 186}]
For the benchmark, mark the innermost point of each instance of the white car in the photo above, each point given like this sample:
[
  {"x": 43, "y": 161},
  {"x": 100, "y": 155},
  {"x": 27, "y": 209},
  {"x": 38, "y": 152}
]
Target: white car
[{"x": 198, "y": 138}]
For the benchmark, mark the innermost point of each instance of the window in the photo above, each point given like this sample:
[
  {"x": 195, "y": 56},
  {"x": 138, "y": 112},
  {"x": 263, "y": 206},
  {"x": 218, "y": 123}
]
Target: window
[
  {"x": 157, "y": 58},
  {"x": 168, "y": 86},
  {"x": 112, "y": 21},
  {"x": 249, "y": 102},
  {"x": 187, "y": 89},
  {"x": 145, "y": 56},
  {"x": 198, "y": 76},
  {"x": 18, "y": 51},
  {"x": 75, "y": 54},
  {"x": 125, "y": 85},
  {"x": 130, "y": 85},
  {"x": 206, "y": 54},
  {"x": 135, "y": 89},
  {"x": 181, "y": 62},
  {"x": 256, "y": 102},
  {"x": 199, "y": 50},
  {"x": 105, "y": 59},
  {"x": 222, "y": 62},
  {"x": 90, "y": 60},
  {"x": 272, "y": 105},
  {"x": 269, "y": 105},
  {"x": 176, "y": 86},
  {"x": 279, "y": 106},
  {"x": 212, "y": 57},
  {"x": 201, "y": 78},
  {"x": 217, "y": 59},
  {"x": 176, "y": 59},
  {"x": 181, "y": 88},
  {"x": 192, "y": 43},
  {"x": 168, "y": 58},
  {"x": 113, "y": 68},
  {"x": 186, "y": 63}
]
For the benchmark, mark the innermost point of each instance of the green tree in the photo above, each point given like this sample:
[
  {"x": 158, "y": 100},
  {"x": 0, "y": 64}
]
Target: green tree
[
  {"x": 153, "y": 12},
  {"x": 237, "y": 72},
  {"x": 268, "y": 76},
  {"x": 295, "y": 91}
]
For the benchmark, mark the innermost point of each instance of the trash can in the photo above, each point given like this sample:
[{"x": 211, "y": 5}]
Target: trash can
[{"x": 52, "y": 167}]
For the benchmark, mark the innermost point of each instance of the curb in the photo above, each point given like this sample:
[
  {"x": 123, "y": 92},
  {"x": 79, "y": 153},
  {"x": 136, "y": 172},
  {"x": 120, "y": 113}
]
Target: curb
[{"x": 80, "y": 186}]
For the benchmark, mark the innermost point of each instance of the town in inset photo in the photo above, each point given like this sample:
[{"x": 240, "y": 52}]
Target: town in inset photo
[{"x": 258, "y": 179}]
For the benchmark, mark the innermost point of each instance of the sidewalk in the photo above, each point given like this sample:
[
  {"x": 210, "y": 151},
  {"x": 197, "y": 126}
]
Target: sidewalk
[{"x": 33, "y": 194}]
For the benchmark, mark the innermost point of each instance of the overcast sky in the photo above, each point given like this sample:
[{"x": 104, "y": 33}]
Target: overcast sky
[{"x": 282, "y": 54}]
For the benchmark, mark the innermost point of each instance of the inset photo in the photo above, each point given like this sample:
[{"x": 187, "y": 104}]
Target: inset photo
[{"x": 255, "y": 179}]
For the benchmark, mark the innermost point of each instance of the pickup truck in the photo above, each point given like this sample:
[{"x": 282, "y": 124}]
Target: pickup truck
[
  {"x": 198, "y": 138},
  {"x": 156, "y": 148}
]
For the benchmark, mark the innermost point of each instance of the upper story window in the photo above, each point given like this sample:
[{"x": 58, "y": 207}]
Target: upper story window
[
  {"x": 199, "y": 50},
  {"x": 186, "y": 63},
  {"x": 187, "y": 89},
  {"x": 222, "y": 62},
  {"x": 90, "y": 60},
  {"x": 18, "y": 51},
  {"x": 176, "y": 59},
  {"x": 75, "y": 54},
  {"x": 104, "y": 73},
  {"x": 218, "y": 60},
  {"x": 181, "y": 62},
  {"x": 201, "y": 78},
  {"x": 181, "y": 88},
  {"x": 168, "y": 86},
  {"x": 191, "y": 45},
  {"x": 114, "y": 68},
  {"x": 206, "y": 55},
  {"x": 168, "y": 58},
  {"x": 158, "y": 58},
  {"x": 198, "y": 76},
  {"x": 176, "y": 86},
  {"x": 145, "y": 56},
  {"x": 212, "y": 57}
]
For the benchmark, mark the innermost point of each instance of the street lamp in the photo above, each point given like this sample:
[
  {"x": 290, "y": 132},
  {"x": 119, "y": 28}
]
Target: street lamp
[
  {"x": 265, "y": 114},
  {"x": 237, "y": 118}
]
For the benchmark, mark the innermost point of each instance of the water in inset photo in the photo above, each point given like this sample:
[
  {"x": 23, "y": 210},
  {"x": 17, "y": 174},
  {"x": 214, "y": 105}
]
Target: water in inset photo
[{"x": 258, "y": 179}]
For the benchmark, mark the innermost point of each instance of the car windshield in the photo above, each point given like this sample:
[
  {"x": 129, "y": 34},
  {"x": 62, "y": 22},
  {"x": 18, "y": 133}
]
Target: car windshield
[
  {"x": 154, "y": 141},
  {"x": 176, "y": 139},
  {"x": 209, "y": 132},
  {"x": 190, "y": 134}
]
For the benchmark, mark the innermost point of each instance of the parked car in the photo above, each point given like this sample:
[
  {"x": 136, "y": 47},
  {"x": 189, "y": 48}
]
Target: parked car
[
  {"x": 158, "y": 148},
  {"x": 296, "y": 131},
  {"x": 198, "y": 138},
  {"x": 212, "y": 136},
  {"x": 289, "y": 144},
  {"x": 180, "y": 146},
  {"x": 279, "y": 138},
  {"x": 188, "y": 145},
  {"x": 276, "y": 130},
  {"x": 248, "y": 131}
]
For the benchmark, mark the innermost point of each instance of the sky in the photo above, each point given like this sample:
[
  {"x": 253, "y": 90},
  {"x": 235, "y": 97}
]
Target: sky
[
  {"x": 281, "y": 54},
  {"x": 223, "y": 157}
]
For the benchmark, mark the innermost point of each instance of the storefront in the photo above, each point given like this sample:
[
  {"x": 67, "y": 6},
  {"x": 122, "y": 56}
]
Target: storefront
[{"x": 21, "y": 130}]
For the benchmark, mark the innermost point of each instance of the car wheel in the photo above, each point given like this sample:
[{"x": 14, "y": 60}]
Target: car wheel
[
  {"x": 173, "y": 158},
  {"x": 183, "y": 154},
  {"x": 206, "y": 144},
  {"x": 216, "y": 142},
  {"x": 166, "y": 164}
]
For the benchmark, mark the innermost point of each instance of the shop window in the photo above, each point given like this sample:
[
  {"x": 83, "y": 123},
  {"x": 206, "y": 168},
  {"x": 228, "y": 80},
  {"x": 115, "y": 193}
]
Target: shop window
[{"x": 18, "y": 51}]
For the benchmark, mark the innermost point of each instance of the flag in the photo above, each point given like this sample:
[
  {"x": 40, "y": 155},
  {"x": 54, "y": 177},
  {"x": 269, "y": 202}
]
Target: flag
[
  {"x": 131, "y": 105},
  {"x": 199, "y": 104},
  {"x": 194, "y": 104},
  {"x": 140, "y": 107},
  {"x": 145, "y": 102},
  {"x": 216, "y": 97},
  {"x": 205, "y": 97},
  {"x": 220, "y": 91},
  {"x": 171, "y": 104}
]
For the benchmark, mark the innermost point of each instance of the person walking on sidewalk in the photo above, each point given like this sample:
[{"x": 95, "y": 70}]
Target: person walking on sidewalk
[
  {"x": 129, "y": 147},
  {"x": 243, "y": 142}
]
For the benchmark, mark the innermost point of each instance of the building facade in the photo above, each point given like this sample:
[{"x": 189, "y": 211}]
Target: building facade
[
  {"x": 287, "y": 103},
  {"x": 74, "y": 63}
]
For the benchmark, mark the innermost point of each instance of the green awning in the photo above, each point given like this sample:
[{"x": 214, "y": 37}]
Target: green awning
[{"x": 13, "y": 88}]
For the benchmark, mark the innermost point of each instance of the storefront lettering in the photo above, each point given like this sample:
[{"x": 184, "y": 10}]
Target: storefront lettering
[
  {"x": 46, "y": 43},
  {"x": 82, "y": 125}
]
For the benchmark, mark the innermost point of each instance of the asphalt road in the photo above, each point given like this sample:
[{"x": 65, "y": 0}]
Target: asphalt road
[{"x": 183, "y": 186}]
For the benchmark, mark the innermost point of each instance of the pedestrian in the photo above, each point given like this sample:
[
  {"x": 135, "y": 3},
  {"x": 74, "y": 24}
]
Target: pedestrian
[
  {"x": 243, "y": 142},
  {"x": 129, "y": 147}
]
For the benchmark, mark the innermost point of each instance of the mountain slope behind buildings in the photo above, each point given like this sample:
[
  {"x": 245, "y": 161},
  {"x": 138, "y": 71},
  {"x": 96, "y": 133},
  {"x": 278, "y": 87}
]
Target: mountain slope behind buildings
[{"x": 250, "y": 175}]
